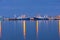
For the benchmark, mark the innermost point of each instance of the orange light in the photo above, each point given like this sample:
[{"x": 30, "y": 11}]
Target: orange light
[
  {"x": 59, "y": 28},
  {"x": 37, "y": 26},
  {"x": 24, "y": 29},
  {"x": 0, "y": 29},
  {"x": 37, "y": 29}
]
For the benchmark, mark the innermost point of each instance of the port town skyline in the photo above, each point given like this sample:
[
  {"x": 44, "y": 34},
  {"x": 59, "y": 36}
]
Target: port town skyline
[
  {"x": 29, "y": 19},
  {"x": 24, "y": 17}
]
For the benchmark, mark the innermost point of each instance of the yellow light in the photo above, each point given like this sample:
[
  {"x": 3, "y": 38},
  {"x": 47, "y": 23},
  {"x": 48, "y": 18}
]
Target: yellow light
[
  {"x": 59, "y": 27},
  {"x": 24, "y": 29},
  {"x": 0, "y": 29},
  {"x": 37, "y": 29},
  {"x": 37, "y": 26}
]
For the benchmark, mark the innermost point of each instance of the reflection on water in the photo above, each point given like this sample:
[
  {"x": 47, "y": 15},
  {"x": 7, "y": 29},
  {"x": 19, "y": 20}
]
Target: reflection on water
[
  {"x": 24, "y": 29},
  {"x": 37, "y": 28},
  {"x": 59, "y": 27},
  {"x": 0, "y": 29}
]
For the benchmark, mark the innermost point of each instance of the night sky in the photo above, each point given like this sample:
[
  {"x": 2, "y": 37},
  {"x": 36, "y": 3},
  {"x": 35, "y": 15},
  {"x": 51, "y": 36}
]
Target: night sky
[{"x": 29, "y": 7}]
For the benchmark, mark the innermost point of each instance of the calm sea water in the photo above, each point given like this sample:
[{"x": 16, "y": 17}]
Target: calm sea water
[{"x": 30, "y": 30}]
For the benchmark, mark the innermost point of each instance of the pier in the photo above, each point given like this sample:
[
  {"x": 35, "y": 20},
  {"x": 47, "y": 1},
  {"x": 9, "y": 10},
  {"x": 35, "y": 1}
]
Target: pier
[{"x": 31, "y": 18}]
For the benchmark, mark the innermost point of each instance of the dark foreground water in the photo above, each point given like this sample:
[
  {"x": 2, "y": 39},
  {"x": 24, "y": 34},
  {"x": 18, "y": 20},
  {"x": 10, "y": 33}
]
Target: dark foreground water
[{"x": 30, "y": 30}]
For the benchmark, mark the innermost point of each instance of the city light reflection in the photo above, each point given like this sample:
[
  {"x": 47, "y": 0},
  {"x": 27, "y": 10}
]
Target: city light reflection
[
  {"x": 0, "y": 29},
  {"x": 37, "y": 29},
  {"x": 24, "y": 29},
  {"x": 59, "y": 28}
]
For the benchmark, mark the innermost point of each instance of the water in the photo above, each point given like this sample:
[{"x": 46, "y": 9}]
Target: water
[{"x": 30, "y": 30}]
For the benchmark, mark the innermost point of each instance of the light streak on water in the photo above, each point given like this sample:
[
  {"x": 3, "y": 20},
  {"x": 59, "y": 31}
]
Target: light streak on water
[
  {"x": 0, "y": 29},
  {"x": 59, "y": 27},
  {"x": 24, "y": 29},
  {"x": 37, "y": 28}
]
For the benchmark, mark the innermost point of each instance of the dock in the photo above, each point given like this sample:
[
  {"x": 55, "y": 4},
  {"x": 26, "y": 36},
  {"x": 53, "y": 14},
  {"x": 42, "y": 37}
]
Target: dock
[{"x": 31, "y": 18}]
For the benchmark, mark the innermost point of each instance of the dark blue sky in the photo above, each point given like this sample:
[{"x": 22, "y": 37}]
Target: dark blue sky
[{"x": 29, "y": 7}]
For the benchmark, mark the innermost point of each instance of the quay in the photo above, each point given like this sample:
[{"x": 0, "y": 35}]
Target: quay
[{"x": 31, "y": 18}]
